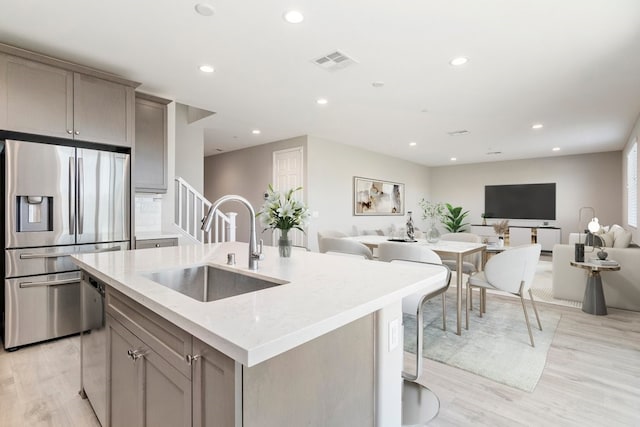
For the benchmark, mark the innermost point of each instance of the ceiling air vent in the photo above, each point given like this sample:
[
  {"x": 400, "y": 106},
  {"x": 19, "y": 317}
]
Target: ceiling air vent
[
  {"x": 458, "y": 132},
  {"x": 334, "y": 61}
]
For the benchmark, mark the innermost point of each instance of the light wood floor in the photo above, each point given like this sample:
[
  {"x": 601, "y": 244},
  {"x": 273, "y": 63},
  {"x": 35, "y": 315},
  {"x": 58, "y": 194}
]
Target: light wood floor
[
  {"x": 592, "y": 378},
  {"x": 39, "y": 386}
]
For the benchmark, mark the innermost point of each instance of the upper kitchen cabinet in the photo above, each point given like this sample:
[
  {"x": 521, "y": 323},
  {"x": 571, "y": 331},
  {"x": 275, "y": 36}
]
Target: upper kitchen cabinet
[
  {"x": 151, "y": 144},
  {"x": 103, "y": 111},
  {"x": 45, "y": 96}
]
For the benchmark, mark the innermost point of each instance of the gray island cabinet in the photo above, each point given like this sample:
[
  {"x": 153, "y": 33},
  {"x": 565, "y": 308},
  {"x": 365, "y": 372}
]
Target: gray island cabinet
[{"x": 313, "y": 351}]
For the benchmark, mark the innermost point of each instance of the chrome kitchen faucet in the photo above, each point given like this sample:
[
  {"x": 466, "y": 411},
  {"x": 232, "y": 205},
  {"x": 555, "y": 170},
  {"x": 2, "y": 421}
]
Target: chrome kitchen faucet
[{"x": 255, "y": 253}]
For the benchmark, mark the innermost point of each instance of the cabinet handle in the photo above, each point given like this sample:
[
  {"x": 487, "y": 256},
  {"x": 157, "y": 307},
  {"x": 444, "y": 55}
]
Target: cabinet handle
[
  {"x": 77, "y": 132},
  {"x": 190, "y": 359},
  {"x": 135, "y": 354},
  {"x": 69, "y": 131}
]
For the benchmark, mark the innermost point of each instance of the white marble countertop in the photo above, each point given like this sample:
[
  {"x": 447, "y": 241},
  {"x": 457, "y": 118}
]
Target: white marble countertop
[{"x": 324, "y": 293}]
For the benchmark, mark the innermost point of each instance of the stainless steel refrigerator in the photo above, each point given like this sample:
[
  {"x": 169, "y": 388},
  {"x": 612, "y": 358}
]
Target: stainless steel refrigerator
[{"x": 58, "y": 201}]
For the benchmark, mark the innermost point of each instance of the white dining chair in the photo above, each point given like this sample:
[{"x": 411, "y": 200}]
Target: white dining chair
[
  {"x": 396, "y": 251},
  {"x": 340, "y": 245},
  {"x": 415, "y": 255},
  {"x": 510, "y": 271},
  {"x": 328, "y": 233}
]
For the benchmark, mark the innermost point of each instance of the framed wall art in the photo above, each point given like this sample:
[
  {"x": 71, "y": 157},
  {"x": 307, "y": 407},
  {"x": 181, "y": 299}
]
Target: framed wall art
[{"x": 377, "y": 197}]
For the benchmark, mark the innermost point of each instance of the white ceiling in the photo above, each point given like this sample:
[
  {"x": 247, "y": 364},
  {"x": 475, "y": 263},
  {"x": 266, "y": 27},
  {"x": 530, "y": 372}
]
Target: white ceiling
[{"x": 573, "y": 65}]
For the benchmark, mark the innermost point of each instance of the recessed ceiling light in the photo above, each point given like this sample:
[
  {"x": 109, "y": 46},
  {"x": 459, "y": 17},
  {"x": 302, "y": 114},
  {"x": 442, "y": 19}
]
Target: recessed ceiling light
[
  {"x": 321, "y": 101},
  {"x": 293, "y": 17},
  {"x": 537, "y": 126},
  {"x": 413, "y": 144},
  {"x": 256, "y": 132},
  {"x": 460, "y": 60},
  {"x": 453, "y": 159},
  {"x": 555, "y": 149},
  {"x": 205, "y": 9},
  {"x": 206, "y": 68}
]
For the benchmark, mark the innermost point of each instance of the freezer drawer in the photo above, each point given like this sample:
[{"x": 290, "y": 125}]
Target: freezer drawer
[
  {"x": 39, "y": 308},
  {"x": 57, "y": 259}
]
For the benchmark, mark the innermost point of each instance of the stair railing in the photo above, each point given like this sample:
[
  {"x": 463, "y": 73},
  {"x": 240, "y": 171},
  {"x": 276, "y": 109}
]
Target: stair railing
[{"x": 191, "y": 207}]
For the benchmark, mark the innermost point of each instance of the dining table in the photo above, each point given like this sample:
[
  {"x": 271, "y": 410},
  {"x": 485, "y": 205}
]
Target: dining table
[{"x": 442, "y": 247}]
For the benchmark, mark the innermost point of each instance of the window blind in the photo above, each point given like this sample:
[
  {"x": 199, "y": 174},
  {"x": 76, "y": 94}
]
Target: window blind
[{"x": 632, "y": 185}]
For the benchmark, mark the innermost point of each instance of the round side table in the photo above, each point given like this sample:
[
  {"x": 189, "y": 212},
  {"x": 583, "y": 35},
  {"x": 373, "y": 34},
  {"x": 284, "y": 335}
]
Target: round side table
[{"x": 593, "y": 301}]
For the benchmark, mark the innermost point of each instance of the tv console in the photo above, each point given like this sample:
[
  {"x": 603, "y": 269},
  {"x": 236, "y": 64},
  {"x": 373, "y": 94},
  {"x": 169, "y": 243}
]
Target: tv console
[{"x": 518, "y": 235}]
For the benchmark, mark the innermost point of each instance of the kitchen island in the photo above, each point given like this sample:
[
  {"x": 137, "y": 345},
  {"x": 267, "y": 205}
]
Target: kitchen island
[{"x": 323, "y": 348}]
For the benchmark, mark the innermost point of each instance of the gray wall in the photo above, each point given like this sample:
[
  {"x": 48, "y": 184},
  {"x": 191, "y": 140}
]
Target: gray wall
[
  {"x": 331, "y": 167},
  {"x": 582, "y": 180},
  {"x": 189, "y": 149},
  {"x": 247, "y": 173}
]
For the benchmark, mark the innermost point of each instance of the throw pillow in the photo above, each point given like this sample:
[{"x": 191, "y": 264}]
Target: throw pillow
[
  {"x": 621, "y": 237},
  {"x": 606, "y": 238}
]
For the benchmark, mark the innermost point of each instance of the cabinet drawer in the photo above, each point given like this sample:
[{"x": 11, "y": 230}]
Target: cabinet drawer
[
  {"x": 156, "y": 243},
  {"x": 170, "y": 342}
]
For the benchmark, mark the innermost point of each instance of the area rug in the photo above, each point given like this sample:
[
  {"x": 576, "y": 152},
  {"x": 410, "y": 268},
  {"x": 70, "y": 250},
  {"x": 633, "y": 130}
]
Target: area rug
[{"x": 496, "y": 346}]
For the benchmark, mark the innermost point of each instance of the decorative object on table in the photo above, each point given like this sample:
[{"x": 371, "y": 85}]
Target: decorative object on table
[
  {"x": 377, "y": 197},
  {"x": 484, "y": 219},
  {"x": 501, "y": 228},
  {"x": 453, "y": 218},
  {"x": 432, "y": 212},
  {"x": 602, "y": 254},
  {"x": 411, "y": 231},
  {"x": 579, "y": 255},
  {"x": 283, "y": 212}
]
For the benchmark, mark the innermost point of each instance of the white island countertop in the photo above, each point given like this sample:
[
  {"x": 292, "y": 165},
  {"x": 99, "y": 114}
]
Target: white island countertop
[{"x": 324, "y": 293}]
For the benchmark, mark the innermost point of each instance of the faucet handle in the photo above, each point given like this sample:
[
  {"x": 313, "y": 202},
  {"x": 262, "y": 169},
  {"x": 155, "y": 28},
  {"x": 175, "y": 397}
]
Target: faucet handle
[{"x": 260, "y": 255}]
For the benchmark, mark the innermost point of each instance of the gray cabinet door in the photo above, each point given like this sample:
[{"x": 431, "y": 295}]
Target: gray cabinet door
[
  {"x": 126, "y": 377},
  {"x": 103, "y": 111},
  {"x": 145, "y": 389},
  {"x": 156, "y": 243},
  {"x": 35, "y": 98},
  {"x": 151, "y": 146},
  {"x": 167, "y": 394},
  {"x": 214, "y": 396}
]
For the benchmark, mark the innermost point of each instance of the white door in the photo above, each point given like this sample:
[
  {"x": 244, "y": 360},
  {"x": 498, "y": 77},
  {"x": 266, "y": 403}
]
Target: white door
[{"x": 288, "y": 173}]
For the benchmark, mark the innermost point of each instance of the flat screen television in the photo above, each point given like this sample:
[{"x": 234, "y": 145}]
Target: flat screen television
[{"x": 522, "y": 201}]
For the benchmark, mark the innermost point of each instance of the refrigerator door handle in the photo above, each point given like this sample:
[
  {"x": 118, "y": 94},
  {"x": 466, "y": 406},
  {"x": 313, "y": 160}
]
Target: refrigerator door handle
[
  {"x": 53, "y": 255},
  {"x": 28, "y": 255},
  {"x": 72, "y": 208},
  {"x": 80, "y": 195},
  {"x": 48, "y": 283}
]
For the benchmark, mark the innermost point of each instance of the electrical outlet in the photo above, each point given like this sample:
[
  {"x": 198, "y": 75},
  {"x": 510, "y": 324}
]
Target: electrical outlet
[{"x": 394, "y": 334}]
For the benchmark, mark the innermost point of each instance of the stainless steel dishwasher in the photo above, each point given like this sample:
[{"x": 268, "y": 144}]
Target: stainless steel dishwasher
[{"x": 93, "y": 346}]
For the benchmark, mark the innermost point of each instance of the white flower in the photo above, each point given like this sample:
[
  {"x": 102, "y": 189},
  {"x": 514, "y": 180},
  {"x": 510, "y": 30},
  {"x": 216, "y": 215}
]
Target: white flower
[{"x": 283, "y": 211}]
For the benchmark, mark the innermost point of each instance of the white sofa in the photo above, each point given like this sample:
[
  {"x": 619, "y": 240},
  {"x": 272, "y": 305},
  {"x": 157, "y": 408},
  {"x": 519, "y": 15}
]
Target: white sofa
[{"x": 621, "y": 288}]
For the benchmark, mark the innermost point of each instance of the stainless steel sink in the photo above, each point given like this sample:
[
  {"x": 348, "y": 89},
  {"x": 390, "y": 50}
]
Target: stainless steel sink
[{"x": 208, "y": 283}]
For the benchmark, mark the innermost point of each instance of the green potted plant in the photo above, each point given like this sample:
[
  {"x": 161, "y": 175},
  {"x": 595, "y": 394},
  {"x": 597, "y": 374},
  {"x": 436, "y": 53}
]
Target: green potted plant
[{"x": 452, "y": 219}]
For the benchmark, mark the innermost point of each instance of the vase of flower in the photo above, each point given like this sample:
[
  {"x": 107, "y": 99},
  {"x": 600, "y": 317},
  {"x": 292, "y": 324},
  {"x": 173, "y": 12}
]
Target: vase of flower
[
  {"x": 433, "y": 235},
  {"x": 281, "y": 211},
  {"x": 432, "y": 212},
  {"x": 284, "y": 244}
]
